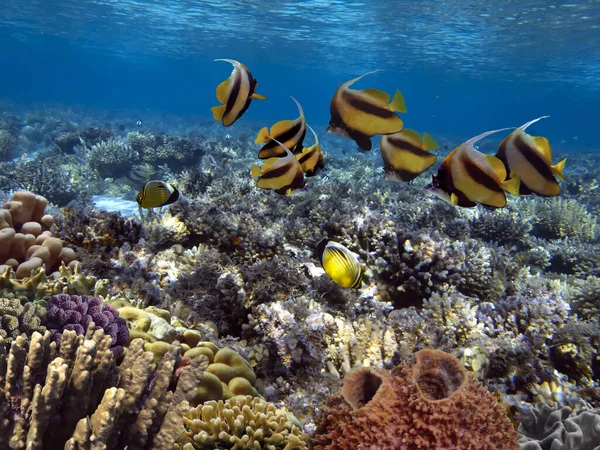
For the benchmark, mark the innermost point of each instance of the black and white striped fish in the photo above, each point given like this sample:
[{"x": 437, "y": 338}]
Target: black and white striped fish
[
  {"x": 284, "y": 175},
  {"x": 290, "y": 133},
  {"x": 406, "y": 155}
]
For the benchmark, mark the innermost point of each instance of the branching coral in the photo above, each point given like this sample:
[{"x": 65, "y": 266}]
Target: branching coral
[
  {"x": 559, "y": 218},
  {"x": 8, "y": 142}
]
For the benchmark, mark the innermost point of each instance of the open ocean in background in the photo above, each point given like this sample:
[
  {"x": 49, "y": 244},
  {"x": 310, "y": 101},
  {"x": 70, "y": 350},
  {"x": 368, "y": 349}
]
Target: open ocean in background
[{"x": 463, "y": 66}]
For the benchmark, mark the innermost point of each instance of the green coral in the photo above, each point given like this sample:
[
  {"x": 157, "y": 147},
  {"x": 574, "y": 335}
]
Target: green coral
[{"x": 240, "y": 423}]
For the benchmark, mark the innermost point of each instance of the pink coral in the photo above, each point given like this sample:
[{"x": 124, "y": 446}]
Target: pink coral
[{"x": 430, "y": 403}]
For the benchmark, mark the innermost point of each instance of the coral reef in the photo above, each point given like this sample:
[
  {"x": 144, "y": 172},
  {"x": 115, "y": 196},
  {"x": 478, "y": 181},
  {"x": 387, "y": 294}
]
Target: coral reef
[
  {"x": 8, "y": 142},
  {"x": 17, "y": 318},
  {"x": 431, "y": 403}
]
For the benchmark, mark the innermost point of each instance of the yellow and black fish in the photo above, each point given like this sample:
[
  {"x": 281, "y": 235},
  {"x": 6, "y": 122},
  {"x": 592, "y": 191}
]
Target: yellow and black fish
[
  {"x": 236, "y": 94},
  {"x": 467, "y": 176},
  {"x": 157, "y": 193},
  {"x": 311, "y": 157},
  {"x": 289, "y": 132},
  {"x": 405, "y": 154},
  {"x": 340, "y": 264},
  {"x": 530, "y": 159},
  {"x": 284, "y": 175},
  {"x": 359, "y": 115}
]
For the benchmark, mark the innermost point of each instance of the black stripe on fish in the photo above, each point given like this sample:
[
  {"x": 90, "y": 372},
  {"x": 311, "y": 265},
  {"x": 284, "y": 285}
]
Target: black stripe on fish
[
  {"x": 235, "y": 92},
  {"x": 404, "y": 145},
  {"x": 283, "y": 137},
  {"x": 480, "y": 177},
  {"x": 173, "y": 197},
  {"x": 306, "y": 156},
  {"x": 534, "y": 159},
  {"x": 368, "y": 108},
  {"x": 444, "y": 181},
  {"x": 391, "y": 173},
  {"x": 278, "y": 172}
]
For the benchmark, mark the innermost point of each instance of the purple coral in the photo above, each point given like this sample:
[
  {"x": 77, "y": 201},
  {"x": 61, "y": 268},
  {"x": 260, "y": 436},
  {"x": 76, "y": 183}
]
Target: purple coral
[{"x": 74, "y": 312}]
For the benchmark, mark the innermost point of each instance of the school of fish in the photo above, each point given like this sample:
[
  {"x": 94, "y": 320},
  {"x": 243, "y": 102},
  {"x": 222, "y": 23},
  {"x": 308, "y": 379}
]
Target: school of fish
[{"x": 466, "y": 177}]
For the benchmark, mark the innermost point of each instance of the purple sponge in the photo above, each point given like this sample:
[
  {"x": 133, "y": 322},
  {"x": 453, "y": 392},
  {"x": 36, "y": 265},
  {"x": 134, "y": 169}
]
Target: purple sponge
[{"x": 74, "y": 312}]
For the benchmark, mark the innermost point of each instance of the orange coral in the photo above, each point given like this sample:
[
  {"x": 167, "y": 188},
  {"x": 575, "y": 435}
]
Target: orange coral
[{"x": 431, "y": 403}]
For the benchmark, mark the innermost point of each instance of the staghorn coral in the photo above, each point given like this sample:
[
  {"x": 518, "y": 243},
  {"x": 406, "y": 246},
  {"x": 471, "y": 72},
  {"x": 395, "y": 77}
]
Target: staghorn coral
[
  {"x": 240, "y": 423},
  {"x": 431, "y": 403},
  {"x": 17, "y": 319},
  {"x": 76, "y": 313},
  {"x": 47, "y": 396}
]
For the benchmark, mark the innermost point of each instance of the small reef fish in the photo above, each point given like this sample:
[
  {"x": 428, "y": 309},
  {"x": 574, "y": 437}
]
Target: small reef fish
[
  {"x": 530, "y": 158},
  {"x": 340, "y": 264},
  {"x": 156, "y": 194},
  {"x": 406, "y": 155},
  {"x": 235, "y": 94},
  {"x": 139, "y": 123},
  {"x": 284, "y": 175},
  {"x": 311, "y": 157},
  {"x": 467, "y": 176},
  {"x": 289, "y": 132},
  {"x": 359, "y": 115}
]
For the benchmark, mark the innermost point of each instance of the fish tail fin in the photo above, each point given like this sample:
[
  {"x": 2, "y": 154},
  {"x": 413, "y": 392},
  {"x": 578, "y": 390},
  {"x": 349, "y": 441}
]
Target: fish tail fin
[
  {"x": 217, "y": 112},
  {"x": 398, "y": 103},
  {"x": 557, "y": 169},
  {"x": 429, "y": 143},
  {"x": 512, "y": 185},
  {"x": 255, "y": 172},
  {"x": 256, "y": 96},
  {"x": 263, "y": 136}
]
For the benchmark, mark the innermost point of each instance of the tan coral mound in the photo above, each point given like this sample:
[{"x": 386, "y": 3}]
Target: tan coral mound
[{"x": 431, "y": 403}]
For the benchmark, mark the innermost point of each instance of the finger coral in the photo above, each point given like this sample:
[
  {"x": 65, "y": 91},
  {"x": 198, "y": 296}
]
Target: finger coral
[
  {"x": 75, "y": 313},
  {"x": 430, "y": 403},
  {"x": 240, "y": 423}
]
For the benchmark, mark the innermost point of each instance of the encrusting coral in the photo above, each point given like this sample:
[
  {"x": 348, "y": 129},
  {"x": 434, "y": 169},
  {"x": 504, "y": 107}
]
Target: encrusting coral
[
  {"x": 77, "y": 398},
  {"x": 430, "y": 403},
  {"x": 25, "y": 240},
  {"x": 240, "y": 423}
]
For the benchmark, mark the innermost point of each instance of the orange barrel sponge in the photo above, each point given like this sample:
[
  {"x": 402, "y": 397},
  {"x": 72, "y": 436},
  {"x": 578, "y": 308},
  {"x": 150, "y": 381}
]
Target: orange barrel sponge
[{"x": 431, "y": 403}]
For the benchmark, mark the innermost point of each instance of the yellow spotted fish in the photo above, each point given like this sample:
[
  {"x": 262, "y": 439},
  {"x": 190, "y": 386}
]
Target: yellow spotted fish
[
  {"x": 235, "y": 94},
  {"x": 340, "y": 264}
]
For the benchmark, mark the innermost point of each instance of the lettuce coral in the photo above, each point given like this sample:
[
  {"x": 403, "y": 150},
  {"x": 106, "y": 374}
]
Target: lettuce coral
[{"x": 430, "y": 403}]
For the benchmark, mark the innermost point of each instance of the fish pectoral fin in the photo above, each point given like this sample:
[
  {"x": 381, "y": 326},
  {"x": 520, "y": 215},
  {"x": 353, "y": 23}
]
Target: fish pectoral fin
[
  {"x": 256, "y": 96},
  {"x": 281, "y": 127},
  {"x": 377, "y": 94},
  {"x": 263, "y": 136},
  {"x": 217, "y": 112},
  {"x": 255, "y": 172},
  {"x": 398, "y": 103},
  {"x": 429, "y": 143},
  {"x": 497, "y": 166},
  {"x": 453, "y": 199},
  {"x": 222, "y": 91},
  {"x": 512, "y": 186},
  {"x": 557, "y": 169}
]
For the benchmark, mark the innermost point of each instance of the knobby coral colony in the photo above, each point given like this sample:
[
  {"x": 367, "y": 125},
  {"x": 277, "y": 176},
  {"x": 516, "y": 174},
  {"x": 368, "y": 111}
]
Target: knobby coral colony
[{"x": 227, "y": 321}]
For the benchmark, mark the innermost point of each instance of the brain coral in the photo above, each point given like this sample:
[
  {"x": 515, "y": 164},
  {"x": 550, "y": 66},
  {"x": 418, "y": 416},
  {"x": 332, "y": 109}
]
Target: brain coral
[
  {"x": 430, "y": 403},
  {"x": 74, "y": 312}
]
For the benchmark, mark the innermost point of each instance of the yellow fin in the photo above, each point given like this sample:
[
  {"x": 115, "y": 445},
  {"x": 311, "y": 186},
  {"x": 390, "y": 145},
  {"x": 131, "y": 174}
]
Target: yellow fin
[
  {"x": 378, "y": 95},
  {"x": 429, "y": 143},
  {"x": 453, "y": 199},
  {"x": 263, "y": 136},
  {"x": 281, "y": 127},
  {"x": 411, "y": 136},
  {"x": 222, "y": 91},
  {"x": 543, "y": 146},
  {"x": 557, "y": 169},
  {"x": 217, "y": 112},
  {"x": 511, "y": 186},
  {"x": 497, "y": 166},
  {"x": 256, "y": 96},
  {"x": 398, "y": 103},
  {"x": 255, "y": 172}
]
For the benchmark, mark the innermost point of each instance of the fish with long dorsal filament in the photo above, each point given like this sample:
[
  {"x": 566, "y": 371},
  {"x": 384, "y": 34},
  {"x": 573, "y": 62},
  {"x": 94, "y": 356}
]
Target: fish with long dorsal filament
[
  {"x": 235, "y": 93},
  {"x": 283, "y": 174},
  {"x": 311, "y": 158},
  {"x": 530, "y": 159},
  {"x": 289, "y": 132},
  {"x": 361, "y": 114},
  {"x": 467, "y": 176},
  {"x": 406, "y": 155}
]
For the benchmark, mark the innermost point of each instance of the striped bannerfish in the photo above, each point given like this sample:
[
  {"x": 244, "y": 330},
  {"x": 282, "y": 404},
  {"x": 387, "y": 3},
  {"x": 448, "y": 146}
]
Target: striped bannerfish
[
  {"x": 530, "y": 158},
  {"x": 405, "y": 154},
  {"x": 340, "y": 264},
  {"x": 467, "y": 176},
  {"x": 359, "y": 115},
  {"x": 236, "y": 94},
  {"x": 311, "y": 157},
  {"x": 157, "y": 193},
  {"x": 284, "y": 175},
  {"x": 289, "y": 132}
]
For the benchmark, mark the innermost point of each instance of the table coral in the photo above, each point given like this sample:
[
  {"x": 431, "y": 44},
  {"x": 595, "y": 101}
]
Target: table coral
[
  {"x": 240, "y": 423},
  {"x": 430, "y": 403},
  {"x": 75, "y": 313}
]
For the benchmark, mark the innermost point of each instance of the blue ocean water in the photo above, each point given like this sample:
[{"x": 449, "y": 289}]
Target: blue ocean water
[{"x": 463, "y": 66}]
